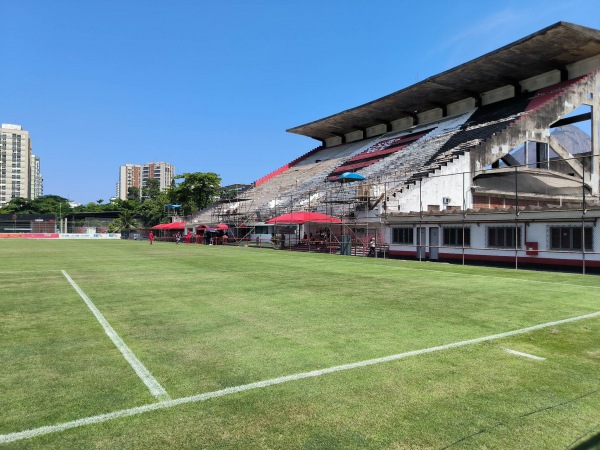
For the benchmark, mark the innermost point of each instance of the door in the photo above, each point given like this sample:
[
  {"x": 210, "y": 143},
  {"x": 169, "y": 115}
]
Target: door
[
  {"x": 421, "y": 243},
  {"x": 434, "y": 233}
]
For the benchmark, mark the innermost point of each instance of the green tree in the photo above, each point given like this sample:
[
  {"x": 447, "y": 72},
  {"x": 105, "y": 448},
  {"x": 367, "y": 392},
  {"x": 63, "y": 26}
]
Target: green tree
[
  {"x": 152, "y": 210},
  {"x": 133, "y": 193},
  {"x": 196, "y": 191},
  {"x": 152, "y": 189},
  {"x": 46, "y": 204},
  {"x": 128, "y": 222},
  {"x": 124, "y": 224}
]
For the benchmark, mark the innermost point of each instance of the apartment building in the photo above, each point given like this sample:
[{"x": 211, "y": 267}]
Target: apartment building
[
  {"x": 136, "y": 175},
  {"x": 36, "y": 181},
  {"x": 16, "y": 163}
]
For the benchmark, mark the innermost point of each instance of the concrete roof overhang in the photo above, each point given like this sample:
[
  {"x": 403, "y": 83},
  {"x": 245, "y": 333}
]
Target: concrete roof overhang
[
  {"x": 530, "y": 181},
  {"x": 548, "y": 49}
]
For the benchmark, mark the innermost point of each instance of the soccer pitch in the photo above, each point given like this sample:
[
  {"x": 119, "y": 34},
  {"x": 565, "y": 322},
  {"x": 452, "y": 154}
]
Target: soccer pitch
[{"x": 119, "y": 344}]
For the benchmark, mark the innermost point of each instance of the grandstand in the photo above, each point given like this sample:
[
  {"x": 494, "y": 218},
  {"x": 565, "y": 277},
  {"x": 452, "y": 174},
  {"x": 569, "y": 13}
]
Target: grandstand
[{"x": 480, "y": 135}]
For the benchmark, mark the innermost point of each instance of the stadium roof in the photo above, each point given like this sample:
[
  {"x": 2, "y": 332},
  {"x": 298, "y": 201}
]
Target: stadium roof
[{"x": 548, "y": 49}]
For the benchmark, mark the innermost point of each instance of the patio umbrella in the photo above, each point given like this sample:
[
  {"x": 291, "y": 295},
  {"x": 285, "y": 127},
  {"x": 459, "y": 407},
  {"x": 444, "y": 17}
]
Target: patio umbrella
[
  {"x": 350, "y": 176},
  {"x": 303, "y": 217},
  {"x": 222, "y": 226}
]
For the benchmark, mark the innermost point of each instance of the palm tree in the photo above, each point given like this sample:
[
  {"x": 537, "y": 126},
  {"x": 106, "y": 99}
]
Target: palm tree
[{"x": 126, "y": 222}]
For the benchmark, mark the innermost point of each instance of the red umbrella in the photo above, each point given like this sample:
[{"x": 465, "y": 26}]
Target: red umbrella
[
  {"x": 222, "y": 226},
  {"x": 304, "y": 217}
]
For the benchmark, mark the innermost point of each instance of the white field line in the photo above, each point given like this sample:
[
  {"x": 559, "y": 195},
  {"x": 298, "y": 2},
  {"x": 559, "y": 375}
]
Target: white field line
[
  {"x": 525, "y": 355},
  {"x": 153, "y": 385},
  {"x": 34, "y": 432}
]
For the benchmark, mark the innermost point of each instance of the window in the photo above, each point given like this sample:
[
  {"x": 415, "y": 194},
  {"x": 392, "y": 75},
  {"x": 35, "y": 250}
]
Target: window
[
  {"x": 504, "y": 237},
  {"x": 403, "y": 235},
  {"x": 570, "y": 238},
  {"x": 453, "y": 236}
]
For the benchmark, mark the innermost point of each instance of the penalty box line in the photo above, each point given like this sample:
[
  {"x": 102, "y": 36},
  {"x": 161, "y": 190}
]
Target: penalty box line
[
  {"x": 142, "y": 372},
  {"x": 34, "y": 432}
]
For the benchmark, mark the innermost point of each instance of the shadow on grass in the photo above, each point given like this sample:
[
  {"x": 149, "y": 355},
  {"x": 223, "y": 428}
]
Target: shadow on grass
[{"x": 589, "y": 444}]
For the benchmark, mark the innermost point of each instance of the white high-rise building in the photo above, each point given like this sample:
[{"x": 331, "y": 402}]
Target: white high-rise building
[
  {"x": 36, "y": 180},
  {"x": 136, "y": 175},
  {"x": 15, "y": 165}
]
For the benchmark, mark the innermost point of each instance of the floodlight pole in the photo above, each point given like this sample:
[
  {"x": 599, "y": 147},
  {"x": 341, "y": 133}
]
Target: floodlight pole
[
  {"x": 464, "y": 212},
  {"x": 516, "y": 218},
  {"x": 583, "y": 211},
  {"x": 420, "y": 233}
]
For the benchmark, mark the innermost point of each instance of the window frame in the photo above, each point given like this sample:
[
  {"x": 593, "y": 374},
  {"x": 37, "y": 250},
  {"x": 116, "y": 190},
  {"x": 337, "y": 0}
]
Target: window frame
[
  {"x": 452, "y": 236},
  {"x": 515, "y": 241},
  {"x": 399, "y": 232},
  {"x": 568, "y": 242}
]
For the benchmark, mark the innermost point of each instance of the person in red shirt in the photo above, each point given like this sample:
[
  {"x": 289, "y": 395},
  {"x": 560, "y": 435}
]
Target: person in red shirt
[
  {"x": 151, "y": 237},
  {"x": 188, "y": 238}
]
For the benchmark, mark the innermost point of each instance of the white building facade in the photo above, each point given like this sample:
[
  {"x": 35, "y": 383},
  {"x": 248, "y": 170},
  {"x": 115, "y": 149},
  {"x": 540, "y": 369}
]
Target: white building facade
[{"x": 16, "y": 162}]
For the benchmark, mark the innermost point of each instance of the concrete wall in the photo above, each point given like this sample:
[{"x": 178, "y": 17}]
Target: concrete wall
[
  {"x": 430, "y": 116},
  {"x": 376, "y": 130},
  {"x": 354, "y": 136},
  {"x": 461, "y": 106},
  {"x": 541, "y": 81},
  {"x": 583, "y": 67},
  {"x": 336, "y": 140},
  {"x": 447, "y": 182},
  {"x": 495, "y": 95},
  {"x": 402, "y": 124}
]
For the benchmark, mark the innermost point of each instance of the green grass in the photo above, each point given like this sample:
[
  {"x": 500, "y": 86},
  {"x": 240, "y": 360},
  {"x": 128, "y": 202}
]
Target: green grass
[{"x": 204, "y": 318}]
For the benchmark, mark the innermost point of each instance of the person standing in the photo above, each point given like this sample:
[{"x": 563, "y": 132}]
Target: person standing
[
  {"x": 178, "y": 238},
  {"x": 151, "y": 237},
  {"x": 372, "y": 246}
]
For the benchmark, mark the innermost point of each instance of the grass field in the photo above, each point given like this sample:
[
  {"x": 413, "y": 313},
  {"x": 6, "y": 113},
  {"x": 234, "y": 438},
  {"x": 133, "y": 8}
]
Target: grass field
[{"x": 313, "y": 328}]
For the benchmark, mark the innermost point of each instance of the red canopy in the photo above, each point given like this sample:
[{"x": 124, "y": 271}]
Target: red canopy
[
  {"x": 170, "y": 226},
  {"x": 222, "y": 226},
  {"x": 303, "y": 217}
]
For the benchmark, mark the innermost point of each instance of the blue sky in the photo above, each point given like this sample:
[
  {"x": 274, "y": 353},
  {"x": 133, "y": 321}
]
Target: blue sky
[{"x": 212, "y": 86}]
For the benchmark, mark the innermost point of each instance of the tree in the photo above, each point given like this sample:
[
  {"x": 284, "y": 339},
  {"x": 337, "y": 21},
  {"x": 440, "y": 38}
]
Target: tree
[
  {"x": 133, "y": 193},
  {"x": 124, "y": 224},
  {"x": 128, "y": 222},
  {"x": 46, "y": 204},
  {"x": 152, "y": 189},
  {"x": 152, "y": 210},
  {"x": 196, "y": 191}
]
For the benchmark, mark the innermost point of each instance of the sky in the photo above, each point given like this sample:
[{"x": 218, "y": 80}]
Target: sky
[{"x": 213, "y": 86}]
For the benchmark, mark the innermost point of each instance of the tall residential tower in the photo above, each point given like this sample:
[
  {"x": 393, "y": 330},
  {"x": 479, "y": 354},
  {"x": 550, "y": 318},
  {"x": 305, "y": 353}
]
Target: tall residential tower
[
  {"x": 19, "y": 170},
  {"x": 136, "y": 175}
]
